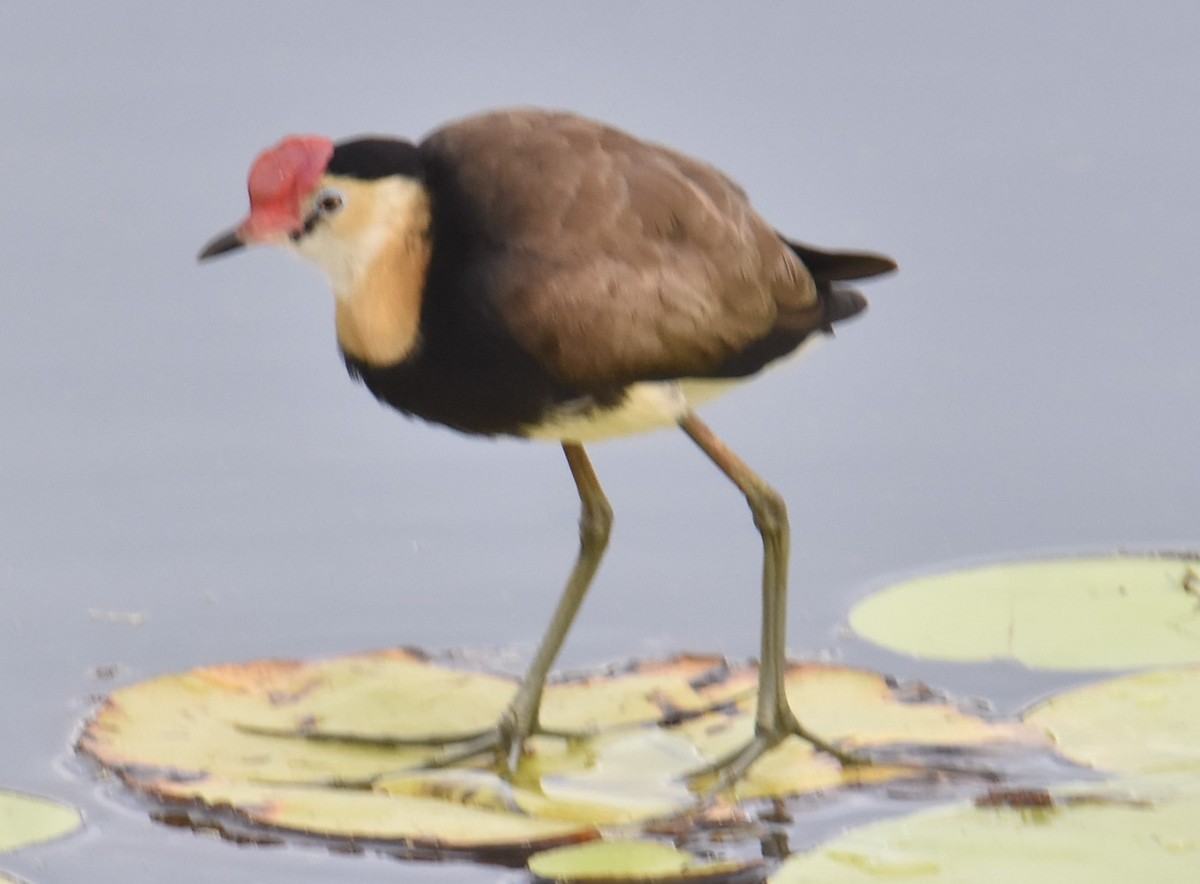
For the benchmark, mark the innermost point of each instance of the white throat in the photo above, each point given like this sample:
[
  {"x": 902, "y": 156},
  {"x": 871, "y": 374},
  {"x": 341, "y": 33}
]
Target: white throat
[{"x": 376, "y": 213}]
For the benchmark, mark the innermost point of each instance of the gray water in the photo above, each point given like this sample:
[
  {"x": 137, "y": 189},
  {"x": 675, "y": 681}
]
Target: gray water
[{"x": 180, "y": 443}]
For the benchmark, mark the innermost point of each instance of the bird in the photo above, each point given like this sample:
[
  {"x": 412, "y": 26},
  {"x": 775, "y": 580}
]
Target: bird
[{"x": 539, "y": 274}]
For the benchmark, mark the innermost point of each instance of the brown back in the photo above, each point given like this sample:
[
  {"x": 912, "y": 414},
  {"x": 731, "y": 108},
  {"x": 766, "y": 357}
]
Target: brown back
[{"x": 614, "y": 260}]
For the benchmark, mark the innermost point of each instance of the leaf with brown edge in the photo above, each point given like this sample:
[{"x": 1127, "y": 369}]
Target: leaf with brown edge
[
  {"x": 319, "y": 748},
  {"x": 402, "y": 823}
]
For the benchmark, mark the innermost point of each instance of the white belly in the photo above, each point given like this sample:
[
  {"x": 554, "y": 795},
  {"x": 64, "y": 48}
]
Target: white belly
[{"x": 650, "y": 405}]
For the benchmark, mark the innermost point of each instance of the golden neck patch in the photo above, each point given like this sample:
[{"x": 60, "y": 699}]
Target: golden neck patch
[
  {"x": 379, "y": 322},
  {"x": 375, "y": 252}
]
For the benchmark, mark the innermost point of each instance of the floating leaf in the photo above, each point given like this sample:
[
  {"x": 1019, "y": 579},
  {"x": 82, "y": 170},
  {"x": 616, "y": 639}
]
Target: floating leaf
[
  {"x": 613, "y": 779},
  {"x": 28, "y": 819},
  {"x": 856, "y": 709},
  {"x": 1106, "y": 837},
  {"x": 1141, "y": 829},
  {"x": 628, "y": 862},
  {"x": 1143, "y": 723},
  {"x": 1074, "y": 614},
  {"x": 323, "y": 748},
  {"x": 404, "y": 822}
]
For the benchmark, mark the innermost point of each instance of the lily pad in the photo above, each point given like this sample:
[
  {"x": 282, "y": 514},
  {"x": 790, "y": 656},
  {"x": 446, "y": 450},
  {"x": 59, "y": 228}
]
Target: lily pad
[
  {"x": 1143, "y": 725},
  {"x": 403, "y": 823},
  {"x": 324, "y": 748},
  {"x": 28, "y": 819},
  {"x": 857, "y": 710},
  {"x": 1148, "y": 723},
  {"x": 1109, "y": 612},
  {"x": 612, "y": 779},
  {"x": 1113, "y": 835},
  {"x": 631, "y": 862}
]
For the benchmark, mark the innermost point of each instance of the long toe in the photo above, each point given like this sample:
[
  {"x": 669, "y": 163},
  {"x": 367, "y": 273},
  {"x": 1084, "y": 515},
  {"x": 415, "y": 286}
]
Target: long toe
[
  {"x": 721, "y": 774},
  {"x": 504, "y": 744},
  {"x": 846, "y": 759},
  {"x": 725, "y": 771},
  {"x": 490, "y": 742}
]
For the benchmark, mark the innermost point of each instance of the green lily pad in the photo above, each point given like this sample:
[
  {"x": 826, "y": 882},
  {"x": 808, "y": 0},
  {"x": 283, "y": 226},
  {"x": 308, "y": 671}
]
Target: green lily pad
[
  {"x": 322, "y": 748},
  {"x": 630, "y": 862},
  {"x": 28, "y": 819},
  {"x": 1147, "y": 723},
  {"x": 1109, "y": 612},
  {"x": 612, "y": 779},
  {"x": 403, "y": 822},
  {"x": 855, "y": 709},
  {"x": 1106, "y": 835}
]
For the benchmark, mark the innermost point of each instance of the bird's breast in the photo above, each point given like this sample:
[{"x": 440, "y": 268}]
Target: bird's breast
[
  {"x": 380, "y": 323},
  {"x": 379, "y": 305}
]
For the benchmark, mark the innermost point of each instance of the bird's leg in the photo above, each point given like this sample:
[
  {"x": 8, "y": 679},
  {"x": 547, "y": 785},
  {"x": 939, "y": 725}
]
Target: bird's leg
[
  {"x": 595, "y": 522},
  {"x": 520, "y": 719},
  {"x": 774, "y": 719}
]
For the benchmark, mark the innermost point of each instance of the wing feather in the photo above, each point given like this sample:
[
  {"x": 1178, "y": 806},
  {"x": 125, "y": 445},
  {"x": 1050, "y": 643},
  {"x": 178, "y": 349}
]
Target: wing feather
[{"x": 610, "y": 259}]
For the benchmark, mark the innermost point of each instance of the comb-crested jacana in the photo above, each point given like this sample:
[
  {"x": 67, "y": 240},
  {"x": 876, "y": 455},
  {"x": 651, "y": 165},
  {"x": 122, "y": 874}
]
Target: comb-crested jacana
[{"x": 542, "y": 275}]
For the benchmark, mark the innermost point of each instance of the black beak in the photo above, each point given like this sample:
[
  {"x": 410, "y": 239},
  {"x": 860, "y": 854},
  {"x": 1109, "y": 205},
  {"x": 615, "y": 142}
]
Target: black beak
[{"x": 226, "y": 242}]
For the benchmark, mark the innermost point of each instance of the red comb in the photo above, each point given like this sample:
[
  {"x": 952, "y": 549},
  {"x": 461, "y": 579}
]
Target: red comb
[{"x": 280, "y": 179}]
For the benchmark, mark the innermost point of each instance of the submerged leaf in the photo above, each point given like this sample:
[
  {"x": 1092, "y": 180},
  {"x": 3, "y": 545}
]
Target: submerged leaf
[
  {"x": 28, "y": 819},
  {"x": 1108, "y": 612}
]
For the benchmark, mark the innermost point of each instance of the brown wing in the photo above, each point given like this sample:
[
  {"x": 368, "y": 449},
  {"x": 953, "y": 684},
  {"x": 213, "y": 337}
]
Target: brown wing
[{"x": 613, "y": 260}]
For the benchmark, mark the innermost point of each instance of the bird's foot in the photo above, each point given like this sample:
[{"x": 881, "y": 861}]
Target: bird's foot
[
  {"x": 720, "y": 774},
  {"x": 505, "y": 742}
]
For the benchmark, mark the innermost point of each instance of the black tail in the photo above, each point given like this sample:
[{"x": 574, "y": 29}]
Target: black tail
[
  {"x": 828, "y": 266},
  {"x": 836, "y": 302}
]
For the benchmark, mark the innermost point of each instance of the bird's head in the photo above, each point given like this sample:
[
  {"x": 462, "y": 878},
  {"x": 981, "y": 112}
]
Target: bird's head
[{"x": 339, "y": 206}]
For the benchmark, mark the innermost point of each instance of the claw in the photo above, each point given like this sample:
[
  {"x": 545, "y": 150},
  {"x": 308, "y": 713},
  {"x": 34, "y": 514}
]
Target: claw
[
  {"x": 481, "y": 744},
  {"x": 732, "y": 766},
  {"x": 501, "y": 741}
]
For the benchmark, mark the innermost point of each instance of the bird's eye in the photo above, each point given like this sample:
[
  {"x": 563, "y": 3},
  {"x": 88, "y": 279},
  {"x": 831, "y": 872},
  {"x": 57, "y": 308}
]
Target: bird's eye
[{"x": 329, "y": 201}]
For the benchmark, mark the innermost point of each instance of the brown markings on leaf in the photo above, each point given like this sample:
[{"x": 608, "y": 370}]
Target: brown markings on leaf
[
  {"x": 679, "y": 664},
  {"x": 1015, "y": 798},
  {"x": 258, "y": 676},
  {"x": 718, "y": 813},
  {"x": 715, "y": 675},
  {"x": 286, "y": 681},
  {"x": 915, "y": 692},
  {"x": 1191, "y": 581},
  {"x": 1022, "y": 799},
  {"x": 670, "y": 713}
]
